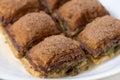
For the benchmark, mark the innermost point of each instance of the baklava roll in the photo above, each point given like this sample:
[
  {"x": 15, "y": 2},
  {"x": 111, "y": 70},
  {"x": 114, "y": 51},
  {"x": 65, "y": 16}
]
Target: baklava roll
[
  {"x": 30, "y": 29},
  {"x": 75, "y": 14},
  {"x": 100, "y": 36},
  {"x": 53, "y": 4},
  {"x": 10, "y": 10},
  {"x": 56, "y": 56}
]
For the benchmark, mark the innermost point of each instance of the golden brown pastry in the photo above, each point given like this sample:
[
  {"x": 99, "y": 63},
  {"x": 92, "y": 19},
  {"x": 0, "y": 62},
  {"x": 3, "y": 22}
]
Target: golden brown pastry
[
  {"x": 53, "y": 4},
  {"x": 100, "y": 35},
  {"x": 10, "y": 10},
  {"x": 75, "y": 14},
  {"x": 56, "y": 56},
  {"x": 36, "y": 38},
  {"x": 30, "y": 29}
]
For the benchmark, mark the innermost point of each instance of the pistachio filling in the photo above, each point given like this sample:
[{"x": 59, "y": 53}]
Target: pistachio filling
[
  {"x": 113, "y": 49},
  {"x": 111, "y": 52},
  {"x": 71, "y": 69},
  {"x": 63, "y": 25}
]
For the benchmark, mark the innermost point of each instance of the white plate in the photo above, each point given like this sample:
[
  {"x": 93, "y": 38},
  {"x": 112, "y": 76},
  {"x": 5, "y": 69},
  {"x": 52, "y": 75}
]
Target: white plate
[{"x": 12, "y": 69}]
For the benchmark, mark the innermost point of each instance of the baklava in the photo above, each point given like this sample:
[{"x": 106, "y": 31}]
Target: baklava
[
  {"x": 11, "y": 10},
  {"x": 101, "y": 36},
  {"x": 55, "y": 56},
  {"x": 75, "y": 14},
  {"x": 59, "y": 38},
  {"x": 30, "y": 29}
]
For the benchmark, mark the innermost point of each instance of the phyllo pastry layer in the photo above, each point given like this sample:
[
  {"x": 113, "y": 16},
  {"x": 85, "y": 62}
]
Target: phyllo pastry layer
[
  {"x": 30, "y": 29},
  {"x": 56, "y": 56},
  {"x": 100, "y": 35},
  {"x": 10, "y": 10},
  {"x": 75, "y": 14}
]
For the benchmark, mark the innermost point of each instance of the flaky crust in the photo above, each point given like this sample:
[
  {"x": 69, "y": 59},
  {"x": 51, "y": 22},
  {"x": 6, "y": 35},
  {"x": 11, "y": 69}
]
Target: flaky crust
[
  {"x": 50, "y": 54},
  {"x": 101, "y": 33},
  {"x": 31, "y": 28},
  {"x": 77, "y": 13},
  {"x": 12, "y": 9},
  {"x": 56, "y": 48}
]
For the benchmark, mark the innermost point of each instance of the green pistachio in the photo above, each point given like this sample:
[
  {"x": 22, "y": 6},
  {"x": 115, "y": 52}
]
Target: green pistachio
[{"x": 62, "y": 24}]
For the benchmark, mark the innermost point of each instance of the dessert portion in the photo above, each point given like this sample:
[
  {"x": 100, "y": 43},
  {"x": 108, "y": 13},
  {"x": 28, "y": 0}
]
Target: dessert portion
[
  {"x": 75, "y": 14},
  {"x": 88, "y": 37},
  {"x": 101, "y": 36},
  {"x": 51, "y": 5},
  {"x": 55, "y": 56},
  {"x": 11, "y": 10},
  {"x": 30, "y": 29}
]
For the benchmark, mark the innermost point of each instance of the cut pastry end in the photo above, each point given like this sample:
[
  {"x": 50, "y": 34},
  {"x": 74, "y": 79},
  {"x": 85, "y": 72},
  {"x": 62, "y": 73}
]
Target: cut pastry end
[
  {"x": 110, "y": 53},
  {"x": 28, "y": 31},
  {"x": 12, "y": 10},
  {"x": 100, "y": 35},
  {"x": 69, "y": 69},
  {"x": 81, "y": 13},
  {"x": 56, "y": 56}
]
